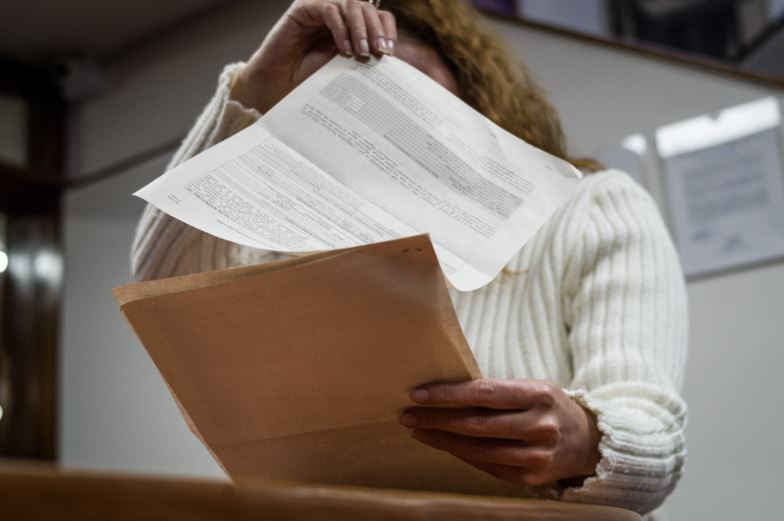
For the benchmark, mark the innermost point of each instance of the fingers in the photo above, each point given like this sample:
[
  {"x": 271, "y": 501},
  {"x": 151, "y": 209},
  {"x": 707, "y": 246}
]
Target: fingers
[
  {"x": 333, "y": 19},
  {"x": 494, "y": 394},
  {"x": 375, "y": 29},
  {"x": 390, "y": 29},
  {"x": 479, "y": 451},
  {"x": 533, "y": 427},
  {"x": 469, "y": 422},
  {"x": 359, "y": 28},
  {"x": 355, "y": 18}
]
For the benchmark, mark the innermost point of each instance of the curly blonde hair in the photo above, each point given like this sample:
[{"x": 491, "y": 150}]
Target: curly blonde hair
[{"x": 489, "y": 78}]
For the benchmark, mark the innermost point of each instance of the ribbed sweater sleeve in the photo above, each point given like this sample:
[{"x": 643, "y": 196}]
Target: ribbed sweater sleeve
[
  {"x": 626, "y": 314},
  {"x": 164, "y": 246}
]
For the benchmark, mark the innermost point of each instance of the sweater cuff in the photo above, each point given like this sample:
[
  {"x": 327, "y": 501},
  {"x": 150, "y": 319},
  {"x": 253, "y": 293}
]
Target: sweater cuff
[
  {"x": 606, "y": 463},
  {"x": 617, "y": 479},
  {"x": 235, "y": 116}
]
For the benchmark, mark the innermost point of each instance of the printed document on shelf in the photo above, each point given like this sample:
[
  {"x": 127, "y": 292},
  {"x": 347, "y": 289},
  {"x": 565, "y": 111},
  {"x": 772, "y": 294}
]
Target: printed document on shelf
[{"x": 362, "y": 153}]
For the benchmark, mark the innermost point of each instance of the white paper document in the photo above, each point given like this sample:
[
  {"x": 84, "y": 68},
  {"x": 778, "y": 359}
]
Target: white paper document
[
  {"x": 725, "y": 187},
  {"x": 362, "y": 153}
]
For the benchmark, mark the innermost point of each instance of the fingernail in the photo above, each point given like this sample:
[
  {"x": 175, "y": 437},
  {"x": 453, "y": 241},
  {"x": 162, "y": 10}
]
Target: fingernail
[
  {"x": 391, "y": 46},
  {"x": 347, "y": 50},
  {"x": 408, "y": 419},
  {"x": 364, "y": 48},
  {"x": 381, "y": 45},
  {"x": 420, "y": 395}
]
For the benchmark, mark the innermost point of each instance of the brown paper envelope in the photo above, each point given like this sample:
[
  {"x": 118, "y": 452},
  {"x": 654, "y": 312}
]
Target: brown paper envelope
[
  {"x": 154, "y": 288},
  {"x": 299, "y": 369}
]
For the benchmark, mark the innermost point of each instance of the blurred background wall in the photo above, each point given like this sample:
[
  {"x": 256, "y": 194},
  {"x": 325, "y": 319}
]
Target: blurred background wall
[{"x": 116, "y": 413}]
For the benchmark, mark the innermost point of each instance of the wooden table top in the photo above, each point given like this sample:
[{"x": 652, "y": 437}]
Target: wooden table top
[{"x": 40, "y": 493}]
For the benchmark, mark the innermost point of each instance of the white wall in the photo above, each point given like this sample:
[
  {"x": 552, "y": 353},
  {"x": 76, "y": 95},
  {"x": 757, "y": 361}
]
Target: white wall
[
  {"x": 115, "y": 411},
  {"x": 776, "y": 8}
]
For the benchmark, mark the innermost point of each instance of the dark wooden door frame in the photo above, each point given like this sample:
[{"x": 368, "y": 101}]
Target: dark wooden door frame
[{"x": 32, "y": 284}]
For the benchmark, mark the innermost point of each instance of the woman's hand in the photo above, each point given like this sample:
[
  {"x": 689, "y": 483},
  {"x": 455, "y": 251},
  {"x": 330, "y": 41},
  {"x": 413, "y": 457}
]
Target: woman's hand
[
  {"x": 356, "y": 28},
  {"x": 527, "y": 432}
]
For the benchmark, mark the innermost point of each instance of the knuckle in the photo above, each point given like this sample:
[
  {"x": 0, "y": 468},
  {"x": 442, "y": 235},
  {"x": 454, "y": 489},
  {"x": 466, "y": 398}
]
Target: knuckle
[
  {"x": 526, "y": 478},
  {"x": 550, "y": 428},
  {"x": 541, "y": 461},
  {"x": 544, "y": 393},
  {"x": 476, "y": 424},
  {"x": 387, "y": 16},
  {"x": 531, "y": 479},
  {"x": 485, "y": 391}
]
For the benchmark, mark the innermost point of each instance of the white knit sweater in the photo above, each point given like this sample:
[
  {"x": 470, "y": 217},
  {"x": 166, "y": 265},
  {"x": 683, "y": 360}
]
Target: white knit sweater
[{"x": 594, "y": 302}]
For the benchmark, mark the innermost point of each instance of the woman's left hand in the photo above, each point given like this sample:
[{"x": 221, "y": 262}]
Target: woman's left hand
[{"x": 527, "y": 432}]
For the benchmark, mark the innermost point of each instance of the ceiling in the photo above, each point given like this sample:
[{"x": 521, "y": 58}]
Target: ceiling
[
  {"x": 46, "y": 31},
  {"x": 34, "y": 31}
]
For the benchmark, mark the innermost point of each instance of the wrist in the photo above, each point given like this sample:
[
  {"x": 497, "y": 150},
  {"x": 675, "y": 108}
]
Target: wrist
[
  {"x": 591, "y": 437},
  {"x": 245, "y": 90}
]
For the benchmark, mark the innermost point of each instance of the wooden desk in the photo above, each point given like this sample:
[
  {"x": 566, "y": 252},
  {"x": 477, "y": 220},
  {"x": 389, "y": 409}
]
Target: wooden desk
[{"x": 44, "y": 494}]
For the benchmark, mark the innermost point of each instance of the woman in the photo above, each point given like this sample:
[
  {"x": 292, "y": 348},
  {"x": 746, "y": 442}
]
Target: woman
[{"x": 582, "y": 338}]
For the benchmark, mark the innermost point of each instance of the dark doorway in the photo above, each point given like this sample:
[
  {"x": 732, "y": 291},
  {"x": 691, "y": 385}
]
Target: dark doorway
[{"x": 31, "y": 167}]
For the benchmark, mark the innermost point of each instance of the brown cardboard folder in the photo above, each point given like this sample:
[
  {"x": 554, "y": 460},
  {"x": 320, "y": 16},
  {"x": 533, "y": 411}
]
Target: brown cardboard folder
[{"x": 299, "y": 369}]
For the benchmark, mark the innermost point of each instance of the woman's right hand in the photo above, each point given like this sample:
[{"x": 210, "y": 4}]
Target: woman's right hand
[{"x": 357, "y": 28}]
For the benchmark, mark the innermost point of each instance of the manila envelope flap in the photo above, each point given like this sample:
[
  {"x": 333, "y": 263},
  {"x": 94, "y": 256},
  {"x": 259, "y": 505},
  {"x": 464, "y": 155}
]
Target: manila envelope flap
[{"x": 298, "y": 370}]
